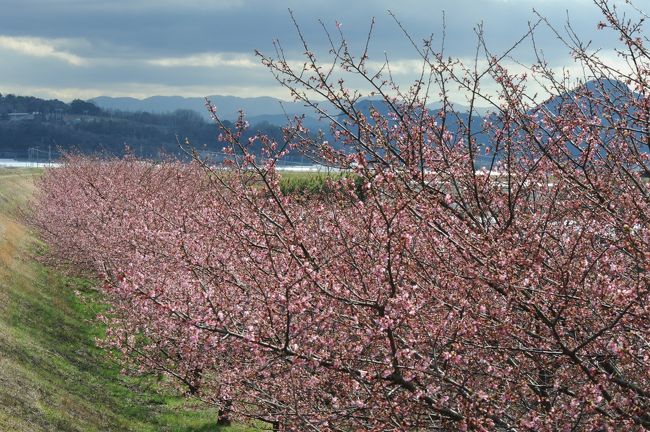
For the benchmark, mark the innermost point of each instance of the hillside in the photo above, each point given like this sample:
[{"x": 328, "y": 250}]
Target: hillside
[
  {"x": 33, "y": 128},
  {"x": 228, "y": 106},
  {"x": 152, "y": 128},
  {"x": 52, "y": 376}
]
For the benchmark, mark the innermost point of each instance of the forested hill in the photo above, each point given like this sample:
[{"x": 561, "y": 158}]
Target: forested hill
[
  {"x": 50, "y": 125},
  {"x": 31, "y": 126}
]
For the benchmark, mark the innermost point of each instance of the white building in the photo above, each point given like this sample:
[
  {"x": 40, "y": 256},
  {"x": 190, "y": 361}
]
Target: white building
[{"x": 22, "y": 116}]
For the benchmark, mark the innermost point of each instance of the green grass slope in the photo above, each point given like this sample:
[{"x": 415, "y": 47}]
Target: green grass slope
[{"x": 52, "y": 376}]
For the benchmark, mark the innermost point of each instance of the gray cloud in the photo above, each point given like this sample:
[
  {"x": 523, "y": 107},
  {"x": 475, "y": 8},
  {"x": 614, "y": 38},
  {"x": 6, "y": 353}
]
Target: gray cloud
[{"x": 73, "y": 48}]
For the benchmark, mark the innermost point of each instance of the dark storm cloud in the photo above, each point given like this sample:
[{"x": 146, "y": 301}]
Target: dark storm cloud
[{"x": 206, "y": 46}]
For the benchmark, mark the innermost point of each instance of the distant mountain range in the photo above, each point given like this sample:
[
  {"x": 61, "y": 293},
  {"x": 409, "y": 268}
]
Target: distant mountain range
[
  {"x": 267, "y": 108},
  {"x": 270, "y": 112},
  {"x": 150, "y": 126},
  {"x": 257, "y": 109}
]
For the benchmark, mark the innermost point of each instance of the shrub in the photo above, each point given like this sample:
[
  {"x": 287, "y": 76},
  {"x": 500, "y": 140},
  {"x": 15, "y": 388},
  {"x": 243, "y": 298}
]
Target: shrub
[{"x": 448, "y": 297}]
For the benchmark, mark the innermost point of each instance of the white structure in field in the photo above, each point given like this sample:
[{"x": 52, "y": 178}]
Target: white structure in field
[{"x": 22, "y": 116}]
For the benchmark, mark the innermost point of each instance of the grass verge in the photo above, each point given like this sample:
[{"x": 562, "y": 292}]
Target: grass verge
[{"x": 52, "y": 375}]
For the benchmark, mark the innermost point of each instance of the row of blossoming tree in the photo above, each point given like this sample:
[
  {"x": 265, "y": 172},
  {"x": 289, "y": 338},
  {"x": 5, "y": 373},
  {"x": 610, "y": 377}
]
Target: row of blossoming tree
[{"x": 441, "y": 295}]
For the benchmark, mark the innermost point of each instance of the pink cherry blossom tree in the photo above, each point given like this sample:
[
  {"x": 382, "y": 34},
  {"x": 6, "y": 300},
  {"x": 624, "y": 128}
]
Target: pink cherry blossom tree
[{"x": 488, "y": 275}]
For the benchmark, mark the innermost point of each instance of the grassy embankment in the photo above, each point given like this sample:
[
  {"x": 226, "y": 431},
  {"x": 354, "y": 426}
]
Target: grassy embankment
[{"x": 52, "y": 376}]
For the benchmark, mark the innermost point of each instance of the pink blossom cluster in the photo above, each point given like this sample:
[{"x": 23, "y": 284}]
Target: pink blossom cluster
[
  {"x": 451, "y": 300},
  {"x": 438, "y": 295}
]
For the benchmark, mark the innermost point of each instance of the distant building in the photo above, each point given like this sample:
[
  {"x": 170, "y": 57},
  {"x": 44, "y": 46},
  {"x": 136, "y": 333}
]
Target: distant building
[
  {"x": 22, "y": 116},
  {"x": 57, "y": 115}
]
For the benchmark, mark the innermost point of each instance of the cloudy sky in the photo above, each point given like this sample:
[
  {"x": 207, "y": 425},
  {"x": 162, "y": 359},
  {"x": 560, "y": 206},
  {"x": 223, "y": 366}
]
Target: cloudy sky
[{"x": 84, "y": 48}]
